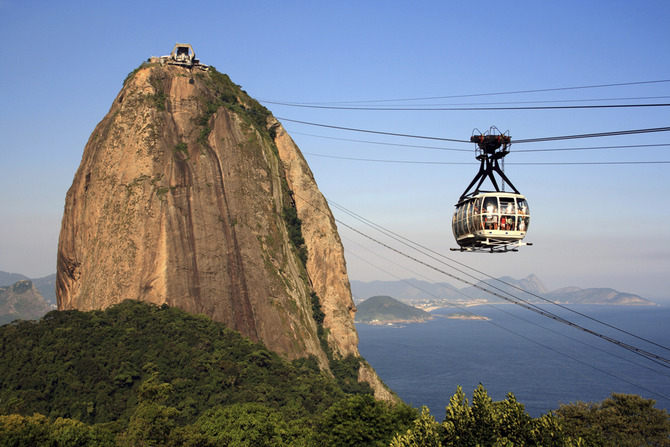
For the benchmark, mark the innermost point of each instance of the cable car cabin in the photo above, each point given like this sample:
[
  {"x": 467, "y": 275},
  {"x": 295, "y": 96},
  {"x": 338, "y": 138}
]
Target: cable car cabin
[{"x": 491, "y": 220}]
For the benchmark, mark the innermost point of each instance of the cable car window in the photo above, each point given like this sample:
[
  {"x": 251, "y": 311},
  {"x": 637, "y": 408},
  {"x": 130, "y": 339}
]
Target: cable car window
[
  {"x": 491, "y": 209},
  {"x": 523, "y": 207},
  {"x": 523, "y": 223},
  {"x": 478, "y": 215},
  {"x": 508, "y": 215},
  {"x": 455, "y": 223},
  {"x": 470, "y": 218},
  {"x": 507, "y": 205},
  {"x": 459, "y": 221}
]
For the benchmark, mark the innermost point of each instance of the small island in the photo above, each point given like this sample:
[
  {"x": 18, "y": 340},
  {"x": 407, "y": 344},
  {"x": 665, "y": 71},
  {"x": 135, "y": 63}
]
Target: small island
[
  {"x": 385, "y": 310},
  {"x": 465, "y": 316}
]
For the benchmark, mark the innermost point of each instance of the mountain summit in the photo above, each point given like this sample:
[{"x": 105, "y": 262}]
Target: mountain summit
[{"x": 190, "y": 193}]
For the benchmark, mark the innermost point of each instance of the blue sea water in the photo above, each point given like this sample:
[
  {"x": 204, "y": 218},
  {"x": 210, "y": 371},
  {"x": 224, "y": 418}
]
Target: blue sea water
[{"x": 544, "y": 363}]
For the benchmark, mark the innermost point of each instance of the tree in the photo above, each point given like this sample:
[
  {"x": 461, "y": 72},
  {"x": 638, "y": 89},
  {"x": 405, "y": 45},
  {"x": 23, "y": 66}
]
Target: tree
[
  {"x": 485, "y": 423},
  {"x": 425, "y": 432},
  {"x": 37, "y": 430},
  {"x": 153, "y": 423},
  {"x": 249, "y": 425},
  {"x": 620, "y": 420},
  {"x": 362, "y": 421}
]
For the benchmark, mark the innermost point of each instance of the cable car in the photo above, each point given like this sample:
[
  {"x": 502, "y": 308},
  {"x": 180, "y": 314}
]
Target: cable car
[{"x": 495, "y": 221}]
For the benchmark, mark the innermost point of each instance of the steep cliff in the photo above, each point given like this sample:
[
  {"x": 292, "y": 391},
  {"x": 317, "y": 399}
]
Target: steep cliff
[{"x": 190, "y": 193}]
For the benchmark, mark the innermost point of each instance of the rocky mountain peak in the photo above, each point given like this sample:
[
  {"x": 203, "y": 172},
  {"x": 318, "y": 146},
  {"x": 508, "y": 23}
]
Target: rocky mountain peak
[{"x": 190, "y": 193}]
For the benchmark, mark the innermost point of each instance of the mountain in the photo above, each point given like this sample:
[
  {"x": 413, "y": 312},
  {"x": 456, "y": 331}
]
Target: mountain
[
  {"x": 384, "y": 309},
  {"x": 412, "y": 290},
  {"x": 574, "y": 295},
  {"x": 407, "y": 289},
  {"x": 191, "y": 194},
  {"x": 21, "y": 301},
  {"x": 46, "y": 285}
]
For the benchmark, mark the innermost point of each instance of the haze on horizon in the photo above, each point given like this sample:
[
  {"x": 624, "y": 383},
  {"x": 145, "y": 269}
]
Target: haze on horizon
[{"x": 593, "y": 225}]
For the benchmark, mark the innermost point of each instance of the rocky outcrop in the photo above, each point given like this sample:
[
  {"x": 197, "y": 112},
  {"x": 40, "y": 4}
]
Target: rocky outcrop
[
  {"x": 325, "y": 265},
  {"x": 191, "y": 194},
  {"x": 21, "y": 301}
]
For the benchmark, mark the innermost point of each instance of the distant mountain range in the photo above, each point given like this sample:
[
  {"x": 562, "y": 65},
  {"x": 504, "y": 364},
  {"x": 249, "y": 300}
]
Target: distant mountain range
[
  {"x": 414, "y": 290},
  {"x": 384, "y": 310}
]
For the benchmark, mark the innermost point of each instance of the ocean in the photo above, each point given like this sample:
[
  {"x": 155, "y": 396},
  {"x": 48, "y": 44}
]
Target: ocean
[{"x": 544, "y": 363}]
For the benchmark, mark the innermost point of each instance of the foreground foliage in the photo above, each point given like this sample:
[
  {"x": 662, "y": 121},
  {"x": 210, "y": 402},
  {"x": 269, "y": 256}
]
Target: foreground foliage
[
  {"x": 139, "y": 374},
  {"x": 621, "y": 420},
  {"x": 89, "y": 366},
  {"x": 353, "y": 421},
  {"x": 485, "y": 423}
]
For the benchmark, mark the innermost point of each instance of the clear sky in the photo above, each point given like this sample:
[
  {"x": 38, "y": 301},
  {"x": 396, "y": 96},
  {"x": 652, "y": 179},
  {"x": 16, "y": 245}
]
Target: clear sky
[{"x": 592, "y": 225}]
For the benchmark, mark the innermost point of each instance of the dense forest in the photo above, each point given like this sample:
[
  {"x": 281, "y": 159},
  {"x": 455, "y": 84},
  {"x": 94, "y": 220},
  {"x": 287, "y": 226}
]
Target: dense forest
[{"x": 139, "y": 374}]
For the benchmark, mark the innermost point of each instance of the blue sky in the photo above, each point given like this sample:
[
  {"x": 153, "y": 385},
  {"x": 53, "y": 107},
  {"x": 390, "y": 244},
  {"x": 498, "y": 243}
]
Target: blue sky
[{"x": 592, "y": 225}]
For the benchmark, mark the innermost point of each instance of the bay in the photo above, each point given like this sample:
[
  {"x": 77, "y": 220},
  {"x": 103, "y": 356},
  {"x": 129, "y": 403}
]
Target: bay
[{"x": 542, "y": 362}]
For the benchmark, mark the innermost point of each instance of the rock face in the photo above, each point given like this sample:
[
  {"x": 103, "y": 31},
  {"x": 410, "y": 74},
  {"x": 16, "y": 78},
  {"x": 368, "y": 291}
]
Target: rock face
[
  {"x": 190, "y": 193},
  {"x": 21, "y": 300}
]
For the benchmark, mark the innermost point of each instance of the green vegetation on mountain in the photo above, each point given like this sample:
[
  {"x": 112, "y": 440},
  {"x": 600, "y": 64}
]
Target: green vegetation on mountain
[
  {"x": 136, "y": 372},
  {"x": 384, "y": 309}
]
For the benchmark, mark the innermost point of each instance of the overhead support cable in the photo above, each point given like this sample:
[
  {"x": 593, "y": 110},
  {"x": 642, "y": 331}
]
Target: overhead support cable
[
  {"x": 529, "y": 140},
  {"x": 628, "y": 146},
  {"x": 382, "y": 143},
  {"x": 539, "y": 163},
  {"x": 373, "y": 131},
  {"x": 584, "y": 101},
  {"x": 516, "y": 92},
  {"x": 465, "y": 109},
  {"x": 615, "y": 133}
]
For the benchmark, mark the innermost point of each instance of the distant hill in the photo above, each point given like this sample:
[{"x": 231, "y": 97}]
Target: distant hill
[
  {"x": 595, "y": 296},
  {"x": 384, "y": 309},
  {"x": 46, "y": 285},
  {"x": 21, "y": 301},
  {"x": 413, "y": 290}
]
